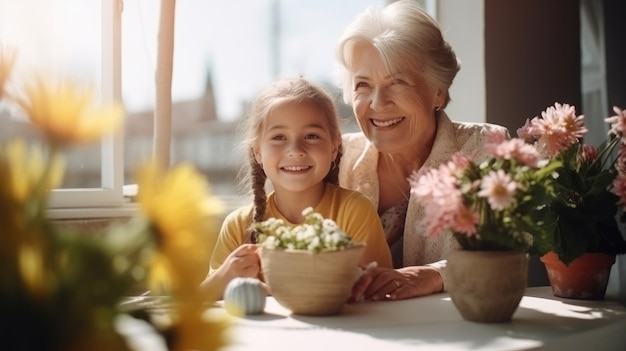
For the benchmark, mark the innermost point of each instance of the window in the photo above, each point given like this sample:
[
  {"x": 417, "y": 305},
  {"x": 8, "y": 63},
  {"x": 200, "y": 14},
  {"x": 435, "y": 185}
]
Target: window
[
  {"x": 224, "y": 53},
  {"x": 77, "y": 39}
]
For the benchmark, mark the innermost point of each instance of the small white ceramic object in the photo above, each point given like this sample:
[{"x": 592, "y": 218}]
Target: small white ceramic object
[{"x": 244, "y": 296}]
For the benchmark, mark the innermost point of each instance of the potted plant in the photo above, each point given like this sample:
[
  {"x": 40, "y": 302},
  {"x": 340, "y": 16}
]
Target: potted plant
[
  {"x": 310, "y": 268},
  {"x": 496, "y": 212},
  {"x": 591, "y": 189}
]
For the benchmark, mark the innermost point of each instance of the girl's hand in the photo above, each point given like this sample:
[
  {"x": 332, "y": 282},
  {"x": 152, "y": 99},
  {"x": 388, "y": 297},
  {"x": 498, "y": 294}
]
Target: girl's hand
[{"x": 242, "y": 262}]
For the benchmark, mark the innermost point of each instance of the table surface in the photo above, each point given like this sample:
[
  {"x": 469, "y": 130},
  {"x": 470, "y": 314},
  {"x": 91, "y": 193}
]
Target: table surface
[{"x": 542, "y": 321}]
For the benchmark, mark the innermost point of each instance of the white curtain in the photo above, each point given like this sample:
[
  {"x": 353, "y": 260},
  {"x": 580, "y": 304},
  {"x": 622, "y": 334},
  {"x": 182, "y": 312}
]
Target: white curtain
[
  {"x": 596, "y": 107},
  {"x": 593, "y": 71}
]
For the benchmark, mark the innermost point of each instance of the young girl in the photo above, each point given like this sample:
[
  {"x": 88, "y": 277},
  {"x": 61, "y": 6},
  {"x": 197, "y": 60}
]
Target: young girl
[{"x": 292, "y": 138}]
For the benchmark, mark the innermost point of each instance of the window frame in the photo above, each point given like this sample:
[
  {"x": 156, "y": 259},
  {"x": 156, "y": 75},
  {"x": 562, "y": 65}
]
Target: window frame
[
  {"x": 108, "y": 200},
  {"x": 111, "y": 199}
]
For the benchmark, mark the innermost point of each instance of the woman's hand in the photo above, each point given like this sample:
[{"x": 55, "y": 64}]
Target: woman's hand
[{"x": 395, "y": 284}]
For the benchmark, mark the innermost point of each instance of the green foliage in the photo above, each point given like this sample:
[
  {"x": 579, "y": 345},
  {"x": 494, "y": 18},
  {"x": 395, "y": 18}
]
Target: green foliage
[
  {"x": 586, "y": 210},
  {"x": 84, "y": 278},
  {"x": 525, "y": 227}
]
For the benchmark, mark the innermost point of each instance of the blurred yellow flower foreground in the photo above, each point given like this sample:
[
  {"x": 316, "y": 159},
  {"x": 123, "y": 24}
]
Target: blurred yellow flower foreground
[
  {"x": 65, "y": 113},
  {"x": 63, "y": 286},
  {"x": 181, "y": 214}
]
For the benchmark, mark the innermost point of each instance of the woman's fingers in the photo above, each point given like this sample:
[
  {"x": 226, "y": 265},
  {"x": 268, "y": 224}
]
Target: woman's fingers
[
  {"x": 385, "y": 283},
  {"x": 419, "y": 281},
  {"x": 358, "y": 289},
  {"x": 375, "y": 284},
  {"x": 390, "y": 284},
  {"x": 405, "y": 290}
]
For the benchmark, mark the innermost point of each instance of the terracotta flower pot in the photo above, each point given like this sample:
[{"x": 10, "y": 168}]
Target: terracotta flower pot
[
  {"x": 311, "y": 283},
  {"x": 585, "y": 278},
  {"x": 487, "y": 286}
]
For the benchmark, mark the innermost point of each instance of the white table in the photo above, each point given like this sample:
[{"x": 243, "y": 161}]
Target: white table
[{"x": 542, "y": 321}]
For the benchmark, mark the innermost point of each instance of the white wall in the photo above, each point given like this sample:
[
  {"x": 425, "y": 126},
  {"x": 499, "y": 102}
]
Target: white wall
[{"x": 462, "y": 22}]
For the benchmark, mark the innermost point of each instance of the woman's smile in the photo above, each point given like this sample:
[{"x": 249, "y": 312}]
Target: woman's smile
[{"x": 387, "y": 123}]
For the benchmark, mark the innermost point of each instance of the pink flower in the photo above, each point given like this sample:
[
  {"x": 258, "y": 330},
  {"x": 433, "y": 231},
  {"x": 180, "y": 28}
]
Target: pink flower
[
  {"x": 558, "y": 129},
  {"x": 433, "y": 184},
  {"x": 549, "y": 145},
  {"x": 565, "y": 115},
  {"x": 437, "y": 191},
  {"x": 618, "y": 128},
  {"x": 459, "y": 163},
  {"x": 618, "y": 123},
  {"x": 619, "y": 188},
  {"x": 437, "y": 183},
  {"x": 499, "y": 189},
  {"x": 441, "y": 211},
  {"x": 465, "y": 221},
  {"x": 495, "y": 137},
  {"x": 516, "y": 149},
  {"x": 438, "y": 219},
  {"x": 526, "y": 132}
]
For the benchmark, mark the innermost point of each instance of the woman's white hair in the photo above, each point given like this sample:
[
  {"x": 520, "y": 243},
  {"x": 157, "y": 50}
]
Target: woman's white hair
[{"x": 408, "y": 40}]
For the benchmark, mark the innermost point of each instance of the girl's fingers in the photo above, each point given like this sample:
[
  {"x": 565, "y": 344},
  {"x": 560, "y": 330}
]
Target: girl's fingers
[{"x": 245, "y": 249}]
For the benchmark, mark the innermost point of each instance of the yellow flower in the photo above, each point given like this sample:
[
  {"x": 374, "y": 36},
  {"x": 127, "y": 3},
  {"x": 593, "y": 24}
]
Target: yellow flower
[
  {"x": 195, "y": 330},
  {"x": 7, "y": 60},
  {"x": 25, "y": 174},
  {"x": 183, "y": 217},
  {"x": 66, "y": 114},
  {"x": 25, "y": 179},
  {"x": 32, "y": 269}
]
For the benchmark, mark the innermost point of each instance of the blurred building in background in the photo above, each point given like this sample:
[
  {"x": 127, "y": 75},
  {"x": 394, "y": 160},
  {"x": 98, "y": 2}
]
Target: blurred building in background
[{"x": 198, "y": 137}]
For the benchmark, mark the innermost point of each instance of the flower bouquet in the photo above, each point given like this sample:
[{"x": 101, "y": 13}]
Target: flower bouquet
[
  {"x": 496, "y": 205},
  {"x": 310, "y": 268},
  {"x": 65, "y": 285},
  {"x": 591, "y": 184},
  {"x": 591, "y": 189},
  {"x": 496, "y": 210}
]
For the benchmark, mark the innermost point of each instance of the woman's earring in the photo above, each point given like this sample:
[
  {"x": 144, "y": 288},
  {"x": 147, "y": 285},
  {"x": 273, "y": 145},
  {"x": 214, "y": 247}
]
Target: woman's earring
[
  {"x": 333, "y": 165},
  {"x": 437, "y": 108}
]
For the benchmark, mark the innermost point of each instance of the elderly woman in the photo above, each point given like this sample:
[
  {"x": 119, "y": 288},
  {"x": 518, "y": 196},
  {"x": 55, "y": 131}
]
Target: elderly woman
[{"x": 398, "y": 72}]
